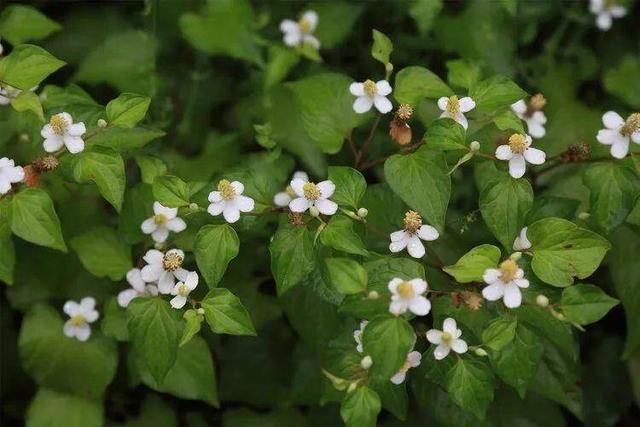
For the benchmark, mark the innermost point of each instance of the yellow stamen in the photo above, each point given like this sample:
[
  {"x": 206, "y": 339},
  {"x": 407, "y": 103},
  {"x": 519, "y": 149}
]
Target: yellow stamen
[
  {"x": 160, "y": 219},
  {"x": 370, "y": 87},
  {"x": 509, "y": 269},
  {"x": 412, "y": 222},
  {"x": 311, "y": 191},
  {"x": 631, "y": 125},
  {"x": 58, "y": 124},
  {"x": 226, "y": 189},
  {"x": 537, "y": 102},
  {"x": 172, "y": 261},
  {"x": 305, "y": 25},
  {"x": 404, "y": 112},
  {"x": 453, "y": 107},
  {"x": 405, "y": 290},
  {"x": 446, "y": 337},
  {"x": 183, "y": 291},
  {"x": 518, "y": 143},
  {"x": 78, "y": 320}
]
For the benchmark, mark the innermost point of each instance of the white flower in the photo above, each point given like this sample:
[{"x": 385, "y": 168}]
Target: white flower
[
  {"x": 413, "y": 361},
  {"x": 522, "y": 243},
  {"x": 229, "y": 201},
  {"x": 455, "y": 108},
  {"x": 284, "y": 198},
  {"x": 138, "y": 288},
  {"x": 370, "y": 93},
  {"x": 62, "y": 131},
  {"x": 163, "y": 221},
  {"x": 605, "y": 11},
  {"x": 505, "y": 282},
  {"x": 7, "y": 93},
  {"x": 407, "y": 295},
  {"x": 80, "y": 316},
  {"x": 9, "y": 174},
  {"x": 519, "y": 151},
  {"x": 532, "y": 114},
  {"x": 618, "y": 132},
  {"x": 357, "y": 335},
  {"x": 297, "y": 33},
  {"x": 182, "y": 290},
  {"x": 447, "y": 339},
  {"x": 164, "y": 268},
  {"x": 310, "y": 194},
  {"x": 410, "y": 237}
]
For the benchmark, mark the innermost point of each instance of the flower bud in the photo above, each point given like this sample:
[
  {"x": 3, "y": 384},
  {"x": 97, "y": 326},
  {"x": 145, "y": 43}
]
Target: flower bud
[
  {"x": 200, "y": 310},
  {"x": 557, "y": 315},
  {"x": 314, "y": 212},
  {"x": 24, "y": 137},
  {"x": 366, "y": 362},
  {"x": 159, "y": 245},
  {"x": 193, "y": 206},
  {"x": 352, "y": 387},
  {"x": 373, "y": 295},
  {"x": 474, "y": 146},
  {"x": 584, "y": 216},
  {"x": 542, "y": 301},
  {"x": 515, "y": 256},
  {"x": 481, "y": 352},
  {"x": 363, "y": 212},
  {"x": 102, "y": 123},
  {"x": 388, "y": 67}
]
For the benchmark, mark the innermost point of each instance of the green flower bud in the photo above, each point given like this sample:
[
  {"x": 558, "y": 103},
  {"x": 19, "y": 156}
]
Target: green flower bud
[{"x": 542, "y": 301}]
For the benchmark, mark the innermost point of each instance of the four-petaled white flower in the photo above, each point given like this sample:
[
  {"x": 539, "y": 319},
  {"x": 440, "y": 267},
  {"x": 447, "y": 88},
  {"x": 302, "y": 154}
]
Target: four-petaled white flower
[
  {"x": 618, "y": 132},
  {"x": 455, "y": 108},
  {"x": 413, "y": 361},
  {"x": 605, "y": 11},
  {"x": 410, "y": 237},
  {"x": 522, "y": 243},
  {"x": 229, "y": 201},
  {"x": 447, "y": 339},
  {"x": 370, "y": 93},
  {"x": 297, "y": 33},
  {"x": 310, "y": 194},
  {"x": 9, "y": 174},
  {"x": 283, "y": 198},
  {"x": 61, "y": 131},
  {"x": 81, "y": 314},
  {"x": 505, "y": 282},
  {"x": 519, "y": 151},
  {"x": 139, "y": 288},
  {"x": 532, "y": 115},
  {"x": 164, "y": 268},
  {"x": 357, "y": 335},
  {"x": 163, "y": 220},
  {"x": 407, "y": 295},
  {"x": 182, "y": 290}
]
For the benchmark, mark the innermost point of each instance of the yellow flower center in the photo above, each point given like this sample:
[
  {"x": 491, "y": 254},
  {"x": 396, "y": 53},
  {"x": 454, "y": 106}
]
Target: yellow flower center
[
  {"x": 446, "y": 337},
  {"x": 78, "y": 320},
  {"x": 404, "y": 112},
  {"x": 226, "y": 189},
  {"x": 631, "y": 125},
  {"x": 508, "y": 268},
  {"x": 537, "y": 102},
  {"x": 412, "y": 221},
  {"x": 58, "y": 124},
  {"x": 406, "y": 366},
  {"x": 183, "y": 291},
  {"x": 305, "y": 25},
  {"x": 518, "y": 143},
  {"x": 172, "y": 261},
  {"x": 160, "y": 219},
  {"x": 311, "y": 191},
  {"x": 370, "y": 87},
  {"x": 405, "y": 290},
  {"x": 453, "y": 107}
]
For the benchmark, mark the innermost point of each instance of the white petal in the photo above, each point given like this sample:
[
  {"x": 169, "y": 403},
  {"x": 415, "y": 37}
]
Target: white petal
[
  {"x": 327, "y": 188},
  {"x": 618, "y": 11},
  {"x": 443, "y": 103},
  {"x": 178, "y": 301},
  {"x": 160, "y": 235},
  {"x": 414, "y": 358},
  {"x": 5, "y": 186},
  {"x": 419, "y": 286},
  {"x": 512, "y": 295},
  {"x": 383, "y": 87},
  {"x": 401, "y": 243},
  {"x": 297, "y": 185},
  {"x": 434, "y": 336},
  {"x": 152, "y": 272},
  {"x": 398, "y": 377},
  {"x": 71, "y": 308},
  {"x": 166, "y": 282},
  {"x": 216, "y": 208},
  {"x": 74, "y": 144},
  {"x": 192, "y": 280},
  {"x": 398, "y": 307},
  {"x": 620, "y": 148},
  {"x": 293, "y": 38},
  {"x": 312, "y": 17},
  {"x": 134, "y": 278},
  {"x": 159, "y": 209},
  {"x": 87, "y": 304},
  {"x": 301, "y": 175},
  {"x": 612, "y": 120},
  {"x": 399, "y": 235},
  {"x": 181, "y": 274},
  {"x": 491, "y": 275},
  {"x": 231, "y": 213},
  {"x": 441, "y": 351},
  {"x": 449, "y": 325},
  {"x": 326, "y": 207},
  {"x": 521, "y": 283},
  {"x": 238, "y": 187},
  {"x": 535, "y": 156},
  {"x": 83, "y": 332},
  {"x": 608, "y": 136},
  {"x": 635, "y": 137},
  {"x": 535, "y": 129},
  {"x": 517, "y": 166},
  {"x": 148, "y": 226},
  {"x": 415, "y": 247},
  {"x": 493, "y": 292},
  {"x": 519, "y": 107},
  {"x": 467, "y": 104},
  {"x": 420, "y": 306},
  {"x": 428, "y": 233},
  {"x": 299, "y": 205},
  {"x": 153, "y": 256},
  {"x": 382, "y": 104},
  {"x": 462, "y": 120},
  {"x": 603, "y": 21},
  {"x": 288, "y": 25},
  {"x": 244, "y": 203},
  {"x": 282, "y": 199},
  {"x": 77, "y": 129},
  {"x": 362, "y": 104},
  {"x": 215, "y": 197},
  {"x": 53, "y": 143},
  {"x": 522, "y": 242},
  {"x": 125, "y": 297},
  {"x": 459, "y": 346},
  {"x": 503, "y": 152},
  {"x": 356, "y": 89},
  {"x": 176, "y": 225}
]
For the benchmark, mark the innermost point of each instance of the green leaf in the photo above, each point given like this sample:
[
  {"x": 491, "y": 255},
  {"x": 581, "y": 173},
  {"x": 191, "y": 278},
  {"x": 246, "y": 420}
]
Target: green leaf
[
  {"x": 326, "y": 109},
  {"x": 226, "y": 27},
  {"x": 445, "y": 134},
  {"x": 621, "y": 80},
  {"x": 382, "y": 47},
  {"x": 348, "y": 276},
  {"x": 388, "y": 339},
  {"x": 507, "y": 120},
  {"x": 191, "y": 377},
  {"x": 614, "y": 189},
  {"x": 171, "y": 191},
  {"x": 7, "y": 251},
  {"x": 414, "y": 83},
  {"x": 137, "y": 206},
  {"x": 122, "y": 139},
  {"x": 150, "y": 168},
  {"x": 562, "y": 251},
  {"x": 54, "y": 409},
  {"x": 154, "y": 332},
  {"x": 27, "y": 65},
  {"x": 499, "y": 333},
  {"x": 339, "y": 235},
  {"x": 360, "y": 408},
  {"x": 585, "y": 304},
  {"x": 517, "y": 362},
  {"x": 106, "y": 169},
  {"x": 410, "y": 176},
  {"x": 62, "y": 363},
  {"x": 495, "y": 93},
  {"x": 350, "y": 185},
  {"x": 103, "y": 253},
  {"x": 292, "y": 256},
  {"x": 463, "y": 73},
  {"x": 470, "y": 385},
  {"x": 19, "y": 24},
  {"x": 33, "y": 218},
  {"x": 281, "y": 60},
  {"x": 127, "y": 110},
  {"x": 215, "y": 247},
  {"x": 226, "y": 314},
  {"x": 472, "y": 265},
  {"x": 504, "y": 203},
  {"x": 28, "y": 101},
  {"x": 114, "y": 321},
  {"x": 335, "y": 21},
  {"x": 424, "y": 13},
  {"x": 193, "y": 321}
]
